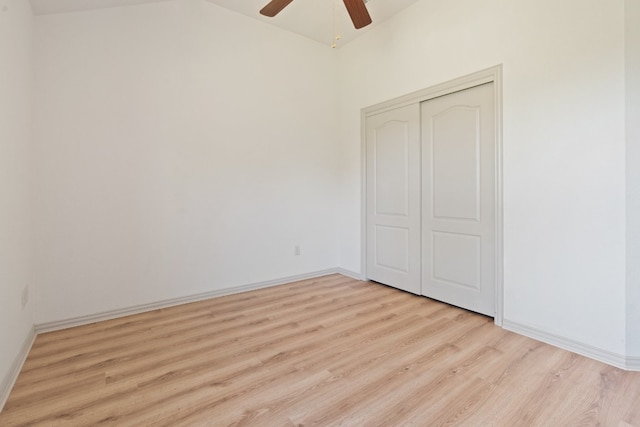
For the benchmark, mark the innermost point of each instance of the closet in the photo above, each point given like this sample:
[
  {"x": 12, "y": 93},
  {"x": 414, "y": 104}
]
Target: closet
[{"x": 432, "y": 202}]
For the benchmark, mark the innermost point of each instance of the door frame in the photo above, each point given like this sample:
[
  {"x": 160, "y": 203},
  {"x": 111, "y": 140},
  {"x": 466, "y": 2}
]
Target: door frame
[{"x": 493, "y": 74}]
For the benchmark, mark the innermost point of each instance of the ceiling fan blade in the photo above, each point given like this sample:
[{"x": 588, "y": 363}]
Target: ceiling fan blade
[
  {"x": 274, "y": 7},
  {"x": 358, "y": 12}
]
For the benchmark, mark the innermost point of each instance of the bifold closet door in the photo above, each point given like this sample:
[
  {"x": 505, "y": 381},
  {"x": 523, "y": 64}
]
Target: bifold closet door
[
  {"x": 458, "y": 199},
  {"x": 393, "y": 198}
]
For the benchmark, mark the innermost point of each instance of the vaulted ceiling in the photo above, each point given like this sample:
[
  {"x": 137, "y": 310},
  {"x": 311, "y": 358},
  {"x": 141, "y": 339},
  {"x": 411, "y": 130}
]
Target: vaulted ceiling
[{"x": 319, "y": 20}]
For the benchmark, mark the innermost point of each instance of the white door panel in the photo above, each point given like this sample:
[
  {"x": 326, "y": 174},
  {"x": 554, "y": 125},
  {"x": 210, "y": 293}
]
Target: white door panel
[
  {"x": 458, "y": 199},
  {"x": 392, "y": 248},
  {"x": 456, "y": 163},
  {"x": 393, "y": 198},
  {"x": 456, "y": 259},
  {"x": 391, "y": 151}
]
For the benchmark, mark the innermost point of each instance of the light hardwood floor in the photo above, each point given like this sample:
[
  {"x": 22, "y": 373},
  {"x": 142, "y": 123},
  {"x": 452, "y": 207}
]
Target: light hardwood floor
[{"x": 324, "y": 352}]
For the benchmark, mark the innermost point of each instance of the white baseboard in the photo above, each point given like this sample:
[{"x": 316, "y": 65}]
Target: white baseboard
[
  {"x": 349, "y": 273},
  {"x": 605, "y": 356},
  {"x": 633, "y": 363},
  {"x": 112, "y": 314},
  {"x": 10, "y": 378}
]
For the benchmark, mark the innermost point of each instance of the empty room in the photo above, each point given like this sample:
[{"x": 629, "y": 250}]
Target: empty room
[{"x": 320, "y": 212}]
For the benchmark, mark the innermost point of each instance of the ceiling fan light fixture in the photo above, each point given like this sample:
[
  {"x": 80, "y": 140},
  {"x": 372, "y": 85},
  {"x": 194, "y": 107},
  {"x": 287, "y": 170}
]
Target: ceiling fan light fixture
[{"x": 356, "y": 8}]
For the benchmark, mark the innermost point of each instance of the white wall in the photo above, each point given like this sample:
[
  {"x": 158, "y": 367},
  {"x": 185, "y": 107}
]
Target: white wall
[
  {"x": 564, "y": 143},
  {"x": 15, "y": 145},
  {"x": 180, "y": 148},
  {"x": 632, "y": 14}
]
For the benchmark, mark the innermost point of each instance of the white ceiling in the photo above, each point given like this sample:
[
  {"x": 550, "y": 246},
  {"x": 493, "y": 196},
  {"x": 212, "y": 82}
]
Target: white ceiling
[
  {"x": 314, "y": 19},
  {"x": 43, "y": 7}
]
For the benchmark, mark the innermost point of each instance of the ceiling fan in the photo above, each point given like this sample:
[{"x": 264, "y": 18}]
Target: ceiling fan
[{"x": 356, "y": 8}]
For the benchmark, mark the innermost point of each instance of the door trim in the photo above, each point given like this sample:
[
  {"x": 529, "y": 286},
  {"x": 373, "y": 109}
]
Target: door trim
[{"x": 493, "y": 74}]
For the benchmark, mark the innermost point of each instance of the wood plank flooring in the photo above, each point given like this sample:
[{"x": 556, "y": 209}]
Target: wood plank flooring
[{"x": 322, "y": 352}]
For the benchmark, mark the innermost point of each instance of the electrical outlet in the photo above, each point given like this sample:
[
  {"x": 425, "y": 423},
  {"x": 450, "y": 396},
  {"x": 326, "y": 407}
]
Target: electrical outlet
[
  {"x": 296, "y": 250},
  {"x": 25, "y": 296}
]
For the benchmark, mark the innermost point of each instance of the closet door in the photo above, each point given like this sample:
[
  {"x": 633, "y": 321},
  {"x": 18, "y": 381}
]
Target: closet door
[
  {"x": 458, "y": 199},
  {"x": 393, "y": 198}
]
